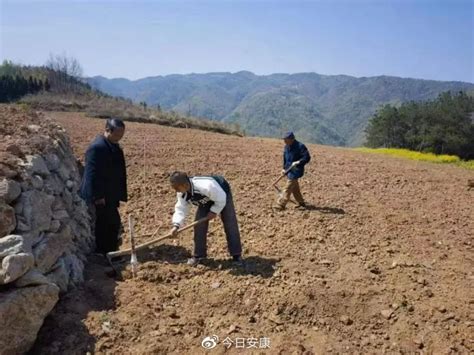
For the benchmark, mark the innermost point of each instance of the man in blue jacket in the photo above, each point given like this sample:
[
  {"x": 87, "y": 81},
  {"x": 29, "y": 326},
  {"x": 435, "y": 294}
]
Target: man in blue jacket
[
  {"x": 104, "y": 184},
  {"x": 295, "y": 157}
]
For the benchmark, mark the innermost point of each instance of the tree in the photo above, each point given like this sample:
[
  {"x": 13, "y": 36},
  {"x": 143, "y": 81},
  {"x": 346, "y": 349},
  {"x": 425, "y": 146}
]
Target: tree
[
  {"x": 64, "y": 64},
  {"x": 441, "y": 126},
  {"x": 64, "y": 73}
]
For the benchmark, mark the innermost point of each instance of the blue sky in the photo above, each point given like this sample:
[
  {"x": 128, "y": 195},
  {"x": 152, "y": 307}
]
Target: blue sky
[{"x": 426, "y": 39}]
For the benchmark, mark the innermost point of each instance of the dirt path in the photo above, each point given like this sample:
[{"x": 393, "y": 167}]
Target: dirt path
[{"x": 383, "y": 261}]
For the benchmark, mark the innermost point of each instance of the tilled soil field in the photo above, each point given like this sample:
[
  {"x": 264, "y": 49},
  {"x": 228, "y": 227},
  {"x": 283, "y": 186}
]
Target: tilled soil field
[{"x": 380, "y": 262}]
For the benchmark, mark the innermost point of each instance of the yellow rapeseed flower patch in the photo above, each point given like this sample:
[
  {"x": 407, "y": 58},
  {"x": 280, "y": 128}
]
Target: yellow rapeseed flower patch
[{"x": 430, "y": 157}]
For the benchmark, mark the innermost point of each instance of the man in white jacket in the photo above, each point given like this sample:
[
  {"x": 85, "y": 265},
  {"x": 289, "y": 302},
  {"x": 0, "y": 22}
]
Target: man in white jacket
[{"x": 213, "y": 196}]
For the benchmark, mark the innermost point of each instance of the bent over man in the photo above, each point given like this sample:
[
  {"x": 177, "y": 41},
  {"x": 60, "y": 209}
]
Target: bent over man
[{"x": 212, "y": 195}]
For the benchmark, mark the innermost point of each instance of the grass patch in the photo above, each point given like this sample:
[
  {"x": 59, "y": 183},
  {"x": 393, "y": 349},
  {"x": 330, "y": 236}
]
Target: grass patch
[{"x": 412, "y": 155}]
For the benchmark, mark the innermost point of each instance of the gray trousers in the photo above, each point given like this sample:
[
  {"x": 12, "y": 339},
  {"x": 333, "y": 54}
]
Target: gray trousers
[{"x": 231, "y": 228}]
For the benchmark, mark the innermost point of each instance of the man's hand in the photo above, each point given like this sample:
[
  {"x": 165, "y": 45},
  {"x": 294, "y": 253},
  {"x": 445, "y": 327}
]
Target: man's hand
[
  {"x": 100, "y": 201},
  {"x": 174, "y": 231},
  {"x": 211, "y": 215},
  {"x": 283, "y": 172}
]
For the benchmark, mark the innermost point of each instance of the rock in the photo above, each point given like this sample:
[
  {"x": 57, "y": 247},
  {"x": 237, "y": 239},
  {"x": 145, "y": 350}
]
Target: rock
[
  {"x": 106, "y": 327},
  {"x": 276, "y": 319},
  {"x": 53, "y": 245},
  {"x": 37, "y": 182},
  {"x": 59, "y": 275},
  {"x": 21, "y": 225},
  {"x": 63, "y": 172},
  {"x": 14, "y": 149},
  {"x": 345, "y": 320},
  {"x": 54, "y": 226},
  {"x": 58, "y": 204},
  {"x": 215, "y": 284},
  {"x": 18, "y": 206},
  {"x": 32, "y": 278},
  {"x": 428, "y": 293},
  {"x": 9, "y": 190},
  {"x": 75, "y": 269},
  {"x": 449, "y": 316},
  {"x": 233, "y": 328},
  {"x": 7, "y": 219},
  {"x": 53, "y": 185},
  {"x": 35, "y": 165},
  {"x": 13, "y": 244},
  {"x": 25, "y": 185},
  {"x": 70, "y": 184},
  {"x": 36, "y": 209},
  {"x": 52, "y": 161},
  {"x": 67, "y": 197},
  {"x": 386, "y": 313},
  {"x": 419, "y": 343},
  {"x": 22, "y": 312},
  {"x": 33, "y": 128},
  {"x": 60, "y": 214},
  {"x": 14, "y": 266}
]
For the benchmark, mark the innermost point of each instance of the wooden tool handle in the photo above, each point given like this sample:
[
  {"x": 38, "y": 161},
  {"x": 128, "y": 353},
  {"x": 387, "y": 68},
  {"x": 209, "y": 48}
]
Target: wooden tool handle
[
  {"x": 281, "y": 176},
  {"x": 132, "y": 233},
  {"x": 154, "y": 241}
]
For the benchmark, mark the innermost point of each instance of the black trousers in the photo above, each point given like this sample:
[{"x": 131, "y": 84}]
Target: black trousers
[
  {"x": 107, "y": 228},
  {"x": 231, "y": 228}
]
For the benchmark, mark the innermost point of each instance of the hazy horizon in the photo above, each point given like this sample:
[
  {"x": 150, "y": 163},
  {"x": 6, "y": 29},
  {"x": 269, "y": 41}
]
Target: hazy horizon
[{"x": 256, "y": 74}]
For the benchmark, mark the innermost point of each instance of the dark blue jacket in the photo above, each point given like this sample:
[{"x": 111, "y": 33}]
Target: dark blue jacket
[
  {"x": 105, "y": 174},
  {"x": 294, "y": 152}
]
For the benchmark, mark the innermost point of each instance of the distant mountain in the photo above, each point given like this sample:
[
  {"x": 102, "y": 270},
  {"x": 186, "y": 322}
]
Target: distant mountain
[{"x": 326, "y": 109}]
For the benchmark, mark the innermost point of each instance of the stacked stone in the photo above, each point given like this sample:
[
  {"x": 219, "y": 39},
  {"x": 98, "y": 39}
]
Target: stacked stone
[{"x": 45, "y": 235}]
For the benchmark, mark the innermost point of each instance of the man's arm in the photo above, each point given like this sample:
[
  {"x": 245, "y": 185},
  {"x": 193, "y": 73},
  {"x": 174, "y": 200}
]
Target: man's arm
[
  {"x": 304, "y": 154},
  {"x": 181, "y": 209},
  {"x": 94, "y": 173},
  {"x": 124, "y": 177}
]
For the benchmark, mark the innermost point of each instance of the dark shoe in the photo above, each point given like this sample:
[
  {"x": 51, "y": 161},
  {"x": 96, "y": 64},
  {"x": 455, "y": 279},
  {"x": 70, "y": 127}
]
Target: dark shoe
[
  {"x": 195, "y": 260},
  {"x": 278, "y": 207},
  {"x": 110, "y": 272},
  {"x": 238, "y": 261},
  {"x": 301, "y": 206}
]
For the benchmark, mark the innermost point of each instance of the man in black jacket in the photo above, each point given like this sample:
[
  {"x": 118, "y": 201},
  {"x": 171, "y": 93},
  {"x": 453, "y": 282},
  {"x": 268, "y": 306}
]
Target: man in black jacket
[{"x": 104, "y": 184}]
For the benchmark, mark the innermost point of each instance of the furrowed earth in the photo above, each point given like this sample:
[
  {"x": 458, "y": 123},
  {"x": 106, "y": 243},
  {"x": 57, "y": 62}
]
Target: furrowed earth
[{"x": 382, "y": 260}]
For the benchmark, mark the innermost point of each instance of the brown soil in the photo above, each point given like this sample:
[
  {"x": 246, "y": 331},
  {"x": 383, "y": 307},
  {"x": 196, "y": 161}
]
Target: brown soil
[
  {"x": 22, "y": 132},
  {"x": 381, "y": 261}
]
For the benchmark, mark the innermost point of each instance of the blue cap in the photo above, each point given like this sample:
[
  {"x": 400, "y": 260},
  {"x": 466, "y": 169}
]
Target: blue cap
[{"x": 289, "y": 135}]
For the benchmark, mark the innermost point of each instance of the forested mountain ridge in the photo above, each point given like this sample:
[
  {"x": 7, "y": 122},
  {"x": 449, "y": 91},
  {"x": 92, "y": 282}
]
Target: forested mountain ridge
[{"x": 327, "y": 109}]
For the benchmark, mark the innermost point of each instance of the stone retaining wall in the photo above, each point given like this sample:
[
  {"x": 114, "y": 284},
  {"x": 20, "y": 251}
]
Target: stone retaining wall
[{"x": 44, "y": 228}]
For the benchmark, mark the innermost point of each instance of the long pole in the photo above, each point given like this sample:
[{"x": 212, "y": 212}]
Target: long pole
[{"x": 154, "y": 241}]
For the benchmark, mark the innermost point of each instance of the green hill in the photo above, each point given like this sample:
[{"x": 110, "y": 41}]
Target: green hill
[{"x": 54, "y": 88}]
